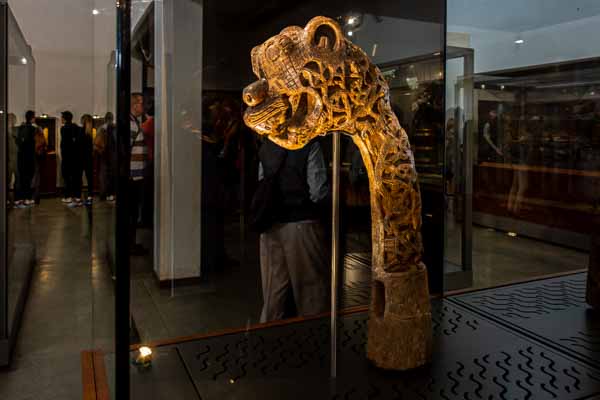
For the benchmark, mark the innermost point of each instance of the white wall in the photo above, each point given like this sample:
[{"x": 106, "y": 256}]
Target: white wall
[
  {"x": 496, "y": 50},
  {"x": 71, "y": 48},
  {"x": 398, "y": 38}
]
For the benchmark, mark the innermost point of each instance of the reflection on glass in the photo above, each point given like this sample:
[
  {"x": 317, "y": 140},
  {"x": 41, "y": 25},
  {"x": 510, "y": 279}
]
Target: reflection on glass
[
  {"x": 525, "y": 107},
  {"x": 25, "y": 150}
]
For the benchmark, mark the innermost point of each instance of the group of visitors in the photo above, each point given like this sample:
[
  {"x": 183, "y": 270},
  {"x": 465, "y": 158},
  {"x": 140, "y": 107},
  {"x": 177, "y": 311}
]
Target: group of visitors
[
  {"x": 27, "y": 149},
  {"x": 79, "y": 147}
]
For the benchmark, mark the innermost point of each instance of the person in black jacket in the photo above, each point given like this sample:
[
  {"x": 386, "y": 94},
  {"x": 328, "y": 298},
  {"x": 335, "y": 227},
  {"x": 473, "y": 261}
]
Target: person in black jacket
[
  {"x": 70, "y": 164},
  {"x": 26, "y": 160}
]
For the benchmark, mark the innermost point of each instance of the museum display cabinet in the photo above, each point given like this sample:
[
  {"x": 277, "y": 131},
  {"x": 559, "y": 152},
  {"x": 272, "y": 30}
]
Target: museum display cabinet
[
  {"x": 550, "y": 135},
  {"x": 17, "y": 246},
  {"x": 195, "y": 297},
  {"x": 440, "y": 166}
]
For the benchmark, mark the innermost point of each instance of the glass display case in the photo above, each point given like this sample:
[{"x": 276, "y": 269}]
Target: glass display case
[
  {"x": 546, "y": 125},
  {"x": 197, "y": 265},
  {"x": 17, "y": 254}
]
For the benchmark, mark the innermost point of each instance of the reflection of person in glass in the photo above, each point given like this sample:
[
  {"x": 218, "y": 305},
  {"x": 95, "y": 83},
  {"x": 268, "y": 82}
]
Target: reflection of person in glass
[
  {"x": 293, "y": 252},
  {"x": 87, "y": 154},
  {"x": 105, "y": 150},
  {"x": 212, "y": 213},
  {"x": 69, "y": 134},
  {"x": 519, "y": 154},
  {"x": 489, "y": 147},
  {"x": 12, "y": 177},
  {"x": 26, "y": 160},
  {"x": 41, "y": 148}
]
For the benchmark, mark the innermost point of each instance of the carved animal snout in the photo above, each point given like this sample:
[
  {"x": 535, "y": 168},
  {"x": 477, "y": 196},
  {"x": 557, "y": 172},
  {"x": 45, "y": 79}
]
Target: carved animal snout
[{"x": 256, "y": 93}]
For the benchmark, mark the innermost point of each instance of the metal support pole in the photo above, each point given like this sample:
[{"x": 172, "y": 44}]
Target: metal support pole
[
  {"x": 335, "y": 249},
  {"x": 122, "y": 321},
  {"x": 3, "y": 175}
]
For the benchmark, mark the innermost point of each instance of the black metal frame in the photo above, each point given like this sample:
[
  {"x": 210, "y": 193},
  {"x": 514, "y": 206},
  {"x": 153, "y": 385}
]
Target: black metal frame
[
  {"x": 122, "y": 289},
  {"x": 4, "y": 334}
]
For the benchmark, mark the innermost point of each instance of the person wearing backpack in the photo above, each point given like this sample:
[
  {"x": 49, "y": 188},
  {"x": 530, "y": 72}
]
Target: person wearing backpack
[
  {"x": 294, "y": 255},
  {"x": 69, "y": 139}
]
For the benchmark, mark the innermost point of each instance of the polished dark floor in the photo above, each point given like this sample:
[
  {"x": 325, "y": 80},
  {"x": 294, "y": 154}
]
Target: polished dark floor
[
  {"x": 71, "y": 300},
  {"x": 69, "y": 309}
]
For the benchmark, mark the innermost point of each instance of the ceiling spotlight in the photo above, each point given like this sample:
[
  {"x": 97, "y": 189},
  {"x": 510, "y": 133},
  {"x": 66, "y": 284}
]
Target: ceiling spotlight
[
  {"x": 350, "y": 33},
  {"x": 351, "y": 20},
  {"x": 95, "y": 11},
  {"x": 501, "y": 87},
  {"x": 512, "y": 234},
  {"x": 437, "y": 53},
  {"x": 519, "y": 41},
  {"x": 482, "y": 86},
  {"x": 592, "y": 93},
  {"x": 24, "y": 61}
]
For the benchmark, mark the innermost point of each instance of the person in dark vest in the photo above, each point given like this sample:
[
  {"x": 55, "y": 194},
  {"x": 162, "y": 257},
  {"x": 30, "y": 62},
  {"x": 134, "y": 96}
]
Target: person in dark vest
[
  {"x": 69, "y": 142},
  {"x": 26, "y": 160},
  {"x": 293, "y": 251}
]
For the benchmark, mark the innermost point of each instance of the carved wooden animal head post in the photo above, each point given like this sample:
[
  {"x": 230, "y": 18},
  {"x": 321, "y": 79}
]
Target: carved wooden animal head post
[{"x": 313, "y": 81}]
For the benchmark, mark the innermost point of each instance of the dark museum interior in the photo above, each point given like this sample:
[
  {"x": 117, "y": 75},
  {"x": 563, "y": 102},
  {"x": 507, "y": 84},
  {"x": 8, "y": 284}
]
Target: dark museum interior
[{"x": 285, "y": 200}]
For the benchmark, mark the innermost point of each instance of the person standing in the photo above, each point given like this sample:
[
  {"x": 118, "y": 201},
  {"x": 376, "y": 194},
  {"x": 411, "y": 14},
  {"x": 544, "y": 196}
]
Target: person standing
[
  {"x": 26, "y": 160},
  {"x": 137, "y": 169},
  {"x": 69, "y": 133},
  {"x": 293, "y": 250},
  {"x": 148, "y": 196},
  {"x": 87, "y": 154},
  {"x": 41, "y": 148},
  {"x": 104, "y": 148},
  {"x": 490, "y": 147}
]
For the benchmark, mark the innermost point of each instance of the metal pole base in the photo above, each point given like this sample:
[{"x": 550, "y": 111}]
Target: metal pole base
[{"x": 593, "y": 279}]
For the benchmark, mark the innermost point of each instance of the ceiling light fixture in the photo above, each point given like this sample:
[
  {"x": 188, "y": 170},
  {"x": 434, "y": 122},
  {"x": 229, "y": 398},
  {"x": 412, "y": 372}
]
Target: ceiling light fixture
[
  {"x": 519, "y": 41},
  {"x": 350, "y": 33},
  {"x": 24, "y": 61},
  {"x": 95, "y": 11},
  {"x": 351, "y": 20}
]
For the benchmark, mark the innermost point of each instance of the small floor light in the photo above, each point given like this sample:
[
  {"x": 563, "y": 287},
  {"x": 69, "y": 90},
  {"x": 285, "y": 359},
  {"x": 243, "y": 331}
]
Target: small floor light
[{"x": 144, "y": 358}]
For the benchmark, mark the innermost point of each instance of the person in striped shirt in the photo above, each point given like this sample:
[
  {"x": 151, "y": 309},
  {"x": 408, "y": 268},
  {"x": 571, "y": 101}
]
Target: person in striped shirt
[{"x": 137, "y": 168}]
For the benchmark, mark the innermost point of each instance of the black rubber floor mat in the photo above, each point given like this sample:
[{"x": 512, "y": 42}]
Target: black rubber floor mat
[
  {"x": 552, "y": 311},
  {"x": 473, "y": 359}
]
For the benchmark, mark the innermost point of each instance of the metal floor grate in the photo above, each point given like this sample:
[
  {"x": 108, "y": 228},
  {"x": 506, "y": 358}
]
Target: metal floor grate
[
  {"x": 473, "y": 359},
  {"x": 551, "y": 311}
]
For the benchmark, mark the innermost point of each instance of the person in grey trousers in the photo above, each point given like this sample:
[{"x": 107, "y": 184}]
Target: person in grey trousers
[{"x": 294, "y": 255}]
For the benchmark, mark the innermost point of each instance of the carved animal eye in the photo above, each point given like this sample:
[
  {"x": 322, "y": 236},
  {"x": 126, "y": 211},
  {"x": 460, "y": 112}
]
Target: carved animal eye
[{"x": 273, "y": 52}]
